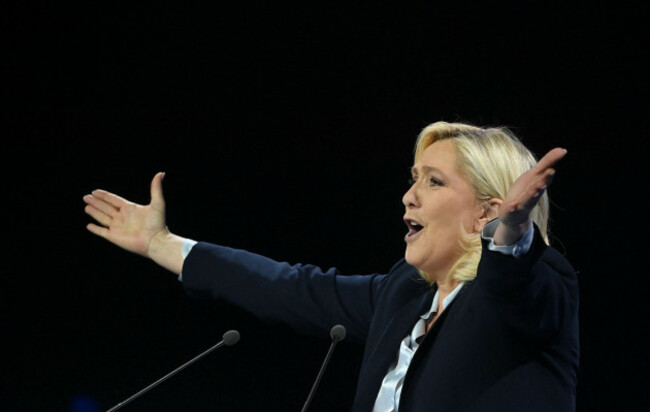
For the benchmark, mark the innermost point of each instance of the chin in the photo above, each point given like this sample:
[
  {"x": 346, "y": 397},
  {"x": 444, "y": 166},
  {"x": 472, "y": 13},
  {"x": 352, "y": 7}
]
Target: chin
[{"x": 411, "y": 260}]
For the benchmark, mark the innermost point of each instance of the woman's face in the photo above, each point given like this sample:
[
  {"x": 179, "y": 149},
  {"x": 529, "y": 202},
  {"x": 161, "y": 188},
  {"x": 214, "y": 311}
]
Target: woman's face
[{"x": 438, "y": 202}]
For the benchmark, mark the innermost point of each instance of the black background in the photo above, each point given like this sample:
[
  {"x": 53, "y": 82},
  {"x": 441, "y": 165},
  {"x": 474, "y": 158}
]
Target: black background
[{"x": 287, "y": 129}]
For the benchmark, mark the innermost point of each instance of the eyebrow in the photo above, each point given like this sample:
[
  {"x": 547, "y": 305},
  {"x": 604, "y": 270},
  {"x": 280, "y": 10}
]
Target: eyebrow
[{"x": 428, "y": 169}]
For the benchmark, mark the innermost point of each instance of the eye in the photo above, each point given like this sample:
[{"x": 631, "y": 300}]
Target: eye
[
  {"x": 435, "y": 182},
  {"x": 412, "y": 181}
]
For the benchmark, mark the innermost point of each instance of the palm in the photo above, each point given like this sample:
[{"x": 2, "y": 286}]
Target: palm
[
  {"x": 126, "y": 224},
  {"x": 524, "y": 194}
]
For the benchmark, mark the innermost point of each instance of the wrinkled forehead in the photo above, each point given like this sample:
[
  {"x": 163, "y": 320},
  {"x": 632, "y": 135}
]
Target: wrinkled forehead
[{"x": 439, "y": 157}]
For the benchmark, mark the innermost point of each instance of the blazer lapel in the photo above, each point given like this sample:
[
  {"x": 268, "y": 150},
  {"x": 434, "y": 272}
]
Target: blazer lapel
[
  {"x": 428, "y": 342},
  {"x": 385, "y": 350}
]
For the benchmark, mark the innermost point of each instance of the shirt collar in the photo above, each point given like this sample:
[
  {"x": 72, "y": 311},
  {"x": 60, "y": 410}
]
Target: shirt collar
[{"x": 445, "y": 302}]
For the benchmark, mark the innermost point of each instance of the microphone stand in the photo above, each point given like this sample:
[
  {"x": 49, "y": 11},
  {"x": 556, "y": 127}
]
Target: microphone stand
[
  {"x": 338, "y": 334},
  {"x": 229, "y": 338}
]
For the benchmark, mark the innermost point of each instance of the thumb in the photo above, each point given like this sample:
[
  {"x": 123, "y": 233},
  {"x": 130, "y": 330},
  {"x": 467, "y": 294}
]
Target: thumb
[{"x": 157, "y": 199}]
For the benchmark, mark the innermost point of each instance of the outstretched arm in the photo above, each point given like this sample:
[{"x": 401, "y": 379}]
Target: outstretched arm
[
  {"x": 137, "y": 228},
  {"x": 523, "y": 195}
]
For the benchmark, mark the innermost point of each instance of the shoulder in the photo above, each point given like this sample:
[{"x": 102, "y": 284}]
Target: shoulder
[
  {"x": 552, "y": 258},
  {"x": 403, "y": 271},
  {"x": 404, "y": 280}
]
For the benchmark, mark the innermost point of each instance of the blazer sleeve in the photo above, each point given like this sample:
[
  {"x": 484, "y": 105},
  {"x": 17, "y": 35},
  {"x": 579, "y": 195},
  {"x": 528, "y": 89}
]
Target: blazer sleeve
[
  {"x": 537, "y": 293},
  {"x": 305, "y": 297}
]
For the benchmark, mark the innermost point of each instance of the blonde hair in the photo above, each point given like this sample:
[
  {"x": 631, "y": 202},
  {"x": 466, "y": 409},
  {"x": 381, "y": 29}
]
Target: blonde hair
[{"x": 491, "y": 159}]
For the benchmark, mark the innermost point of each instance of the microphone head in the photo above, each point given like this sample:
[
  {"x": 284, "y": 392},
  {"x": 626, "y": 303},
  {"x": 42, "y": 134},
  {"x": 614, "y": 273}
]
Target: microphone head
[
  {"x": 231, "y": 337},
  {"x": 338, "y": 332}
]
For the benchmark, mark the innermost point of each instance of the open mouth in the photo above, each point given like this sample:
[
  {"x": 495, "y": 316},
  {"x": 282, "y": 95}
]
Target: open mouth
[{"x": 414, "y": 227}]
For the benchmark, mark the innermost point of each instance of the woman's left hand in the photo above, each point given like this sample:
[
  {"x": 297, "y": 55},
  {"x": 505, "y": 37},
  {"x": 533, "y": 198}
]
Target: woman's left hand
[{"x": 525, "y": 192}]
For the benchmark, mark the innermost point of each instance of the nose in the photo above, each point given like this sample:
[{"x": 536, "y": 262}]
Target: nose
[{"x": 410, "y": 198}]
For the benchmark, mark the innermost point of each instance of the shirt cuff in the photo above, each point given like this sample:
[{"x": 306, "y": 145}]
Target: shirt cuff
[
  {"x": 187, "y": 246},
  {"x": 517, "y": 250}
]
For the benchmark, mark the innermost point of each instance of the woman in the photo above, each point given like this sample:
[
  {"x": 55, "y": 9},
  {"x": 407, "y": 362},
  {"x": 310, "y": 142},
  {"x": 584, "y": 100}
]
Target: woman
[{"x": 480, "y": 315}]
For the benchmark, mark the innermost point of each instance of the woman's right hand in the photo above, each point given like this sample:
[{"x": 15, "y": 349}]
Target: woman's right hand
[{"x": 126, "y": 224}]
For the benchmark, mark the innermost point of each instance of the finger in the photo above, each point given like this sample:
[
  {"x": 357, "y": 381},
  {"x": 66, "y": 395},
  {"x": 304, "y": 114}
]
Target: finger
[
  {"x": 548, "y": 176},
  {"x": 550, "y": 158},
  {"x": 157, "y": 199},
  {"x": 98, "y": 215},
  {"x": 534, "y": 198},
  {"x": 108, "y": 197},
  {"x": 98, "y": 230},
  {"x": 99, "y": 204}
]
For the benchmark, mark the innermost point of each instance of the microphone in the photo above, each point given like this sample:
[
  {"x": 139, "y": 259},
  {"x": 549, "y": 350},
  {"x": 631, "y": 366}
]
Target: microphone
[
  {"x": 229, "y": 338},
  {"x": 338, "y": 334}
]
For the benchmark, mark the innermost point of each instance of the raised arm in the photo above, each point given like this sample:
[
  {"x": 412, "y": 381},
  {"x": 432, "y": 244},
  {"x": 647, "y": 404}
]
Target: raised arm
[
  {"x": 523, "y": 195},
  {"x": 137, "y": 228}
]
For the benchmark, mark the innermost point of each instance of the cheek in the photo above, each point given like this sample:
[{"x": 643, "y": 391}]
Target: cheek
[
  {"x": 448, "y": 222},
  {"x": 461, "y": 216},
  {"x": 444, "y": 232}
]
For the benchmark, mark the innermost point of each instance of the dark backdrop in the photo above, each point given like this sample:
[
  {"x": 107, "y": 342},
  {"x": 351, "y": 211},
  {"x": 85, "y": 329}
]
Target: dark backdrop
[{"x": 287, "y": 129}]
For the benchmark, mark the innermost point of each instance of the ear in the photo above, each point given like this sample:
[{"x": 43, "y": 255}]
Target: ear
[{"x": 488, "y": 210}]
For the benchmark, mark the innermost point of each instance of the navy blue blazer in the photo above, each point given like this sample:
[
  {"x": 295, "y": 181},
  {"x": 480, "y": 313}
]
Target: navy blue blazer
[{"x": 508, "y": 341}]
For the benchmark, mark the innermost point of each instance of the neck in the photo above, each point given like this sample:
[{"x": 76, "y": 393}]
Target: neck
[
  {"x": 443, "y": 291},
  {"x": 445, "y": 288}
]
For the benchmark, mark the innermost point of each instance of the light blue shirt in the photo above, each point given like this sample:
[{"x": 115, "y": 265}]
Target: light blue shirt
[{"x": 187, "y": 246}]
